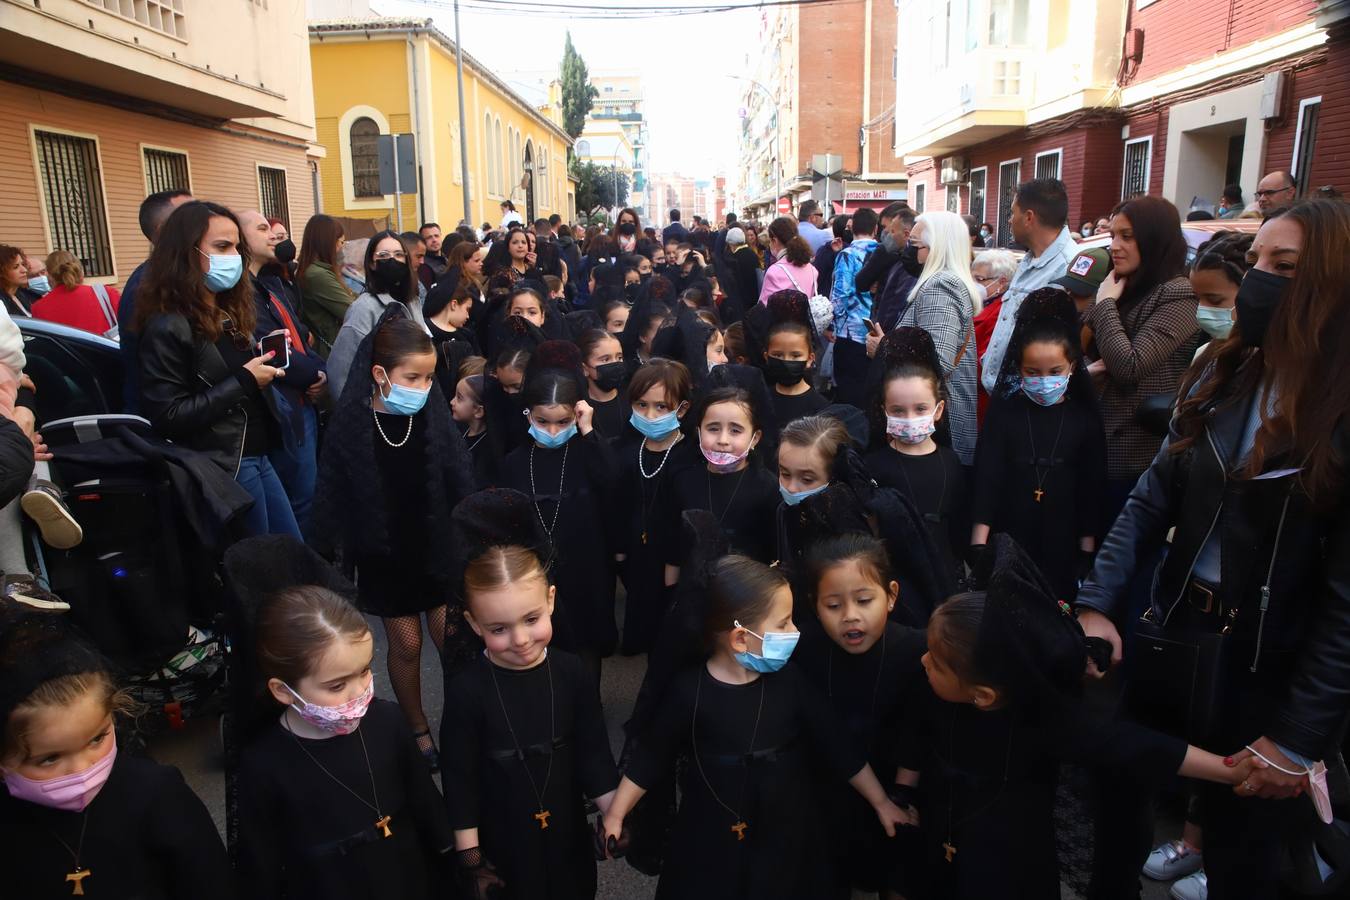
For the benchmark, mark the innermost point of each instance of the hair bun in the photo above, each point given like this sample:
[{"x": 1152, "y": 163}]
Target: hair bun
[
  {"x": 1050, "y": 304},
  {"x": 36, "y": 648},
  {"x": 909, "y": 345},
  {"x": 497, "y": 517}
]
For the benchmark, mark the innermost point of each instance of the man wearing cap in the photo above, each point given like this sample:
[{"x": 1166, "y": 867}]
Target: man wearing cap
[
  {"x": 1085, "y": 274},
  {"x": 1040, "y": 216}
]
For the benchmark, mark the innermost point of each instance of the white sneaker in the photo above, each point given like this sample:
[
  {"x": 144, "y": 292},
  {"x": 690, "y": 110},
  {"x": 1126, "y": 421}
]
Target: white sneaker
[
  {"x": 1192, "y": 887},
  {"x": 1172, "y": 860}
]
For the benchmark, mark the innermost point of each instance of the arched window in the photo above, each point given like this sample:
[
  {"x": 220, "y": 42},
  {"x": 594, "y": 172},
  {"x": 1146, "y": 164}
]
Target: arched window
[
  {"x": 497, "y": 160},
  {"x": 487, "y": 152},
  {"x": 365, "y": 135},
  {"x": 541, "y": 179}
]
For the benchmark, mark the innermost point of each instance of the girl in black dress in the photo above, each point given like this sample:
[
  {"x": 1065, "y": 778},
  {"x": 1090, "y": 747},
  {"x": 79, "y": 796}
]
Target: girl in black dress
[
  {"x": 393, "y": 467},
  {"x": 656, "y": 453},
  {"x": 1040, "y": 465},
  {"x": 76, "y": 816},
  {"x": 1006, "y": 665},
  {"x": 788, "y": 363},
  {"x": 869, "y": 668},
  {"x": 907, "y": 410},
  {"x": 602, "y": 362},
  {"x": 747, "y": 825},
  {"x": 450, "y": 322},
  {"x": 567, "y": 470},
  {"x": 335, "y": 799},
  {"x": 467, "y": 409},
  {"x": 743, "y": 496},
  {"x": 523, "y": 733}
]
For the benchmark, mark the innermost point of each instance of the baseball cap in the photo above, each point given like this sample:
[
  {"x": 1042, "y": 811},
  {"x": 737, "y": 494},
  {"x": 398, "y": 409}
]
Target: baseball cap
[{"x": 1086, "y": 272}]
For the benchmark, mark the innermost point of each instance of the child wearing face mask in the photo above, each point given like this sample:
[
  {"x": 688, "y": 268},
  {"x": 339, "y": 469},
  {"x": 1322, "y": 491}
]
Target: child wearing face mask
[
  {"x": 566, "y": 468},
  {"x": 523, "y": 732},
  {"x": 76, "y": 816},
  {"x": 606, "y": 372},
  {"x": 655, "y": 450},
  {"x": 907, "y": 410},
  {"x": 748, "y": 824},
  {"x": 1218, "y": 270},
  {"x": 1041, "y": 460},
  {"x": 869, "y": 668},
  {"x": 335, "y": 799},
  {"x": 394, "y": 467},
  {"x": 743, "y": 497},
  {"x": 788, "y": 364}
]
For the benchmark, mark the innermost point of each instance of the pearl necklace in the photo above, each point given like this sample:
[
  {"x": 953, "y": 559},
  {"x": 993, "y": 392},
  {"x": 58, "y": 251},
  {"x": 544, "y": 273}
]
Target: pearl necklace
[
  {"x": 380, "y": 429},
  {"x": 643, "y": 446}
]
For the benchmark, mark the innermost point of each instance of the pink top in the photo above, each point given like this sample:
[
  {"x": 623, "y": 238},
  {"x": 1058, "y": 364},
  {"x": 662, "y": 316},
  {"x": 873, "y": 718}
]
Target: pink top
[{"x": 783, "y": 276}]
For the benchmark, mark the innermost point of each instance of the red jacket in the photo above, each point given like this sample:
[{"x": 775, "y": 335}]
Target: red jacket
[
  {"x": 984, "y": 329},
  {"x": 77, "y": 307}
]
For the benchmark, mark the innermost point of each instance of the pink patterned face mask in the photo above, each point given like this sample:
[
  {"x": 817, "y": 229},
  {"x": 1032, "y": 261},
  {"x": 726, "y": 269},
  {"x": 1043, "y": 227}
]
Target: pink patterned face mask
[
  {"x": 342, "y": 719},
  {"x": 71, "y": 793},
  {"x": 1317, "y": 787},
  {"x": 910, "y": 431},
  {"x": 724, "y": 462}
]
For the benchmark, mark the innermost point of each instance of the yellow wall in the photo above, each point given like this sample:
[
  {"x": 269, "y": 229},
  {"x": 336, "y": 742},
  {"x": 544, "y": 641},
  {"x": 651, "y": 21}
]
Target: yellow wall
[{"x": 383, "y": 84}]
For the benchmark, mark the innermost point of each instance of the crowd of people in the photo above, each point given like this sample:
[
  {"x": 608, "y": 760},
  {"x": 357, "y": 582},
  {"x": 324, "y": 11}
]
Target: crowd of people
[{"x": 901, "y": 522}]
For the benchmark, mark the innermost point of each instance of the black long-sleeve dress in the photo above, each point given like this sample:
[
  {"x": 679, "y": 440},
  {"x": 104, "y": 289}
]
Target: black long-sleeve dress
[
  {"x": 870, "y": 694},
  {"x": 745, "y": 502},
  {"x": 583, "y": 532},
  {"x": 751, "y": 748},
  {"x": 650, "y": 530},
  {"x": 788, "y": 407},
  {"x": 554, "y": 711},
  {"x": 611, "y": 416},
  {"x": 1059, "y": 451},
  {"x": 145, "y": 835},
  {"x": 303, "y": 835},
  {"x": 937, "y": 484}
]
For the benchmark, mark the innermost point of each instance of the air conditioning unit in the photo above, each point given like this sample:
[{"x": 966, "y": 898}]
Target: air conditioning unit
[
  {"x": 954, "y": 170},
  {"x": 1272, "y": 95}
]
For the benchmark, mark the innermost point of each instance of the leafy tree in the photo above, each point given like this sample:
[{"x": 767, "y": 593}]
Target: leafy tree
[
  {"x": 578, "y": 94},
  {"x": 596, "y": 184}
]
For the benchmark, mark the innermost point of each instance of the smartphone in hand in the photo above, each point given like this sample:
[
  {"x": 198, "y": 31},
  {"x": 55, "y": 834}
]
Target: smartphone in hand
[{"x": 279, "y": 346}]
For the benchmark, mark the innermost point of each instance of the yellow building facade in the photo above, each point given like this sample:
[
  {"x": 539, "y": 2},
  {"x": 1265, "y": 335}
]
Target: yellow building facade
[{"x": 383, "y": 76}]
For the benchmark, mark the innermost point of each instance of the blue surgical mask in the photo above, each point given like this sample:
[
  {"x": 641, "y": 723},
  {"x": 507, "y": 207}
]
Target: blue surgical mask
[
  {"x": 792, "y": 499},
  {"x": 553, "y": 441},
  {"x": 778, "y": 646},
  {"x": 1213, "y": 321},
  {"x": 39, "y": 284},
  {"x": 1047, "y": 390},
  {"x": 656, "y": 429},
  {"x": 224, "y": 272},
  {"x": 403, "y": 401}
]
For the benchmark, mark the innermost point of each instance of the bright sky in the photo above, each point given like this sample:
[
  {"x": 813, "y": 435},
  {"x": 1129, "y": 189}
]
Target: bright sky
[{"x": 691, "y": 103}]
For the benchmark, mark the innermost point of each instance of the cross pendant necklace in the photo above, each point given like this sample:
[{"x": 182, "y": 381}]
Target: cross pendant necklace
[
  {"x": 1039, "y": 491},
  {"x": 76, "y": 878},
  {"x": 740, "y": 827},
  {"x": 543, "y": 814},
  {"x": 382, "y": 819}
]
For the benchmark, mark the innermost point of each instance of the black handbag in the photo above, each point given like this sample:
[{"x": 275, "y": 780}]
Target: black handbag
[{"x": 1176, "y": 678}]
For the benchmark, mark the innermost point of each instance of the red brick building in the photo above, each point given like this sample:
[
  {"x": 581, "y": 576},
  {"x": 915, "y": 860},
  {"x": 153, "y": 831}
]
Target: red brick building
[{"x": 1115, "y": 97}]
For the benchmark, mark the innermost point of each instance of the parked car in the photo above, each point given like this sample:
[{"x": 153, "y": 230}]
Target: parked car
[{"x": 78, "y": 373}]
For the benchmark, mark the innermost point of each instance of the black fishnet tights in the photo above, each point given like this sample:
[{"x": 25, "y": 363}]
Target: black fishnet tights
[{"x": 405, "y": 664}]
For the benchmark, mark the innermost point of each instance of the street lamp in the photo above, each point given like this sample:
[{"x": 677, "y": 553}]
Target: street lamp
[{"x": 777, "y": 139}]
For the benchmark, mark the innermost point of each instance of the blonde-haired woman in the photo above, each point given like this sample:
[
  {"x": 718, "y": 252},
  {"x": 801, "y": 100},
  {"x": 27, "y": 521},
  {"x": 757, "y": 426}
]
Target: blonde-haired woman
[
  {"x": 74, "y": 303},
  {"x": 944, "y": 302}
]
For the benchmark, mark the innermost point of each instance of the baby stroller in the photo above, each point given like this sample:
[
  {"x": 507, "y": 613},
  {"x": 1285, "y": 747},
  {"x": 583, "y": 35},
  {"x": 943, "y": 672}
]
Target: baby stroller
[
  {"x": 254, "y": 569},
  {"x": 143, "y": 582}
]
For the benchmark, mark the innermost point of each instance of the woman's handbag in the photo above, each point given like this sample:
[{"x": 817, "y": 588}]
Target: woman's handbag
[{"x": 1176, "y": 677}]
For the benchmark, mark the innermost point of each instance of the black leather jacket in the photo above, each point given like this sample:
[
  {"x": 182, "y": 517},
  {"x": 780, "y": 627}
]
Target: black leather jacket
[
  {"x": 191, "y": 395},
  {"x": 1284, "y": 569}
]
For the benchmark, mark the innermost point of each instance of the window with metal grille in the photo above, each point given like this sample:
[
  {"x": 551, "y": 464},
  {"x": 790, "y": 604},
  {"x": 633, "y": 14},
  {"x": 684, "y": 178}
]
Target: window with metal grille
[
  {"x": 1138, "y": 159},
  {"x": 365, "y": 144},
  {"x": 1047, "y": 164},
  {"x": 1009, "y": 177},
  {"x": 954, "y": 198},
  {"x": 920, "y": 195},
  {"x": 1305, "y": 139},
  {"x": 272, "y": 195},
  {"x": 165, "y": 170},
  {"x": 161, "y": 15},
  {"x": 72, "y": 191},
  {"x": 978, "y": 179}
]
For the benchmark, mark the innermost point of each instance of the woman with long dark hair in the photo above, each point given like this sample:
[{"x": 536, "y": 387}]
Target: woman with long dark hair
[
  {"x": 390, "y": 281},
  {"x": 1256, "y": 579},
  {"x": 1143, "y": 332},
  {"x": 325, "y": 295},
  {"x": 514, "y": 257},
  {"x": 791, "y": 261},
  {"x": 202, "y": 384}
]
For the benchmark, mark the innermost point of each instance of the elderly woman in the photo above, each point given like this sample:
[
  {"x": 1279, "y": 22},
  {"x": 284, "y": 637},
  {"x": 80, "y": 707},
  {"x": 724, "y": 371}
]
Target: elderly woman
[
  {"x": 944, "y": 302},
  {"x": 993, "y": 271},
  {"x": 1256, "y": 578}
]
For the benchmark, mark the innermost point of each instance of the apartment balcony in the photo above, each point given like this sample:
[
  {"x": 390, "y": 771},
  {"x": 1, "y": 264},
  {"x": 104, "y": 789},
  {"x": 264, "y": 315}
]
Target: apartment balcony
[
  {"x": 189, "y": 56},
  {"x": 985, "y": 94}
]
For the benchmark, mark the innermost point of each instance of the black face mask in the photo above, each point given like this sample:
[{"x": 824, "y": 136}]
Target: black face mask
[
  {"x": 610, "y": 376},
  {"x": 392, "y": 276},
  {"x": 646, "y": 277},
  {"x": 786, "y": 372},
  {"x": 909, "y": 258},
  {"x": 1257, "y": 297},
  {"x": 630, "y": 292},
  {"x": 285, "y": 252}
]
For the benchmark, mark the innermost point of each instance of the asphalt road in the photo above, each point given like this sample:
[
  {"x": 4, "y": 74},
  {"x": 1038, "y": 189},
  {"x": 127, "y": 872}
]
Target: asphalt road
[{"x": 196, "y": 751}]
